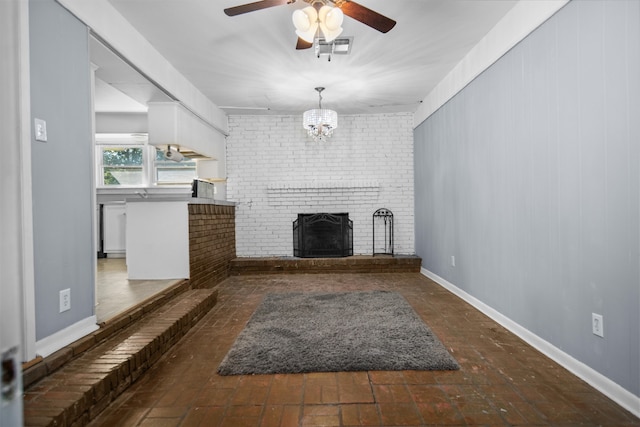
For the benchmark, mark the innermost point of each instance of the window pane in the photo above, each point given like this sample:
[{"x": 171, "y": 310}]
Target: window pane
[
  {"x": 122, "y": 165},
  {"x": 122, "y": 156},
  {"x": 170, "y": 172},
  {"x": 166, "y": 175},
  {"x": 122, "y": 176}
]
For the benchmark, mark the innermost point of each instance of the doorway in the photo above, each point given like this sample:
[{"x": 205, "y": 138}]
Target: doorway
[{"x": 120, "y": 98}]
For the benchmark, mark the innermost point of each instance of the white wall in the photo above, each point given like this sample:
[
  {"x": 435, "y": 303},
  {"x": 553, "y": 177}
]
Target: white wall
[{"x": 275, "y": 171}]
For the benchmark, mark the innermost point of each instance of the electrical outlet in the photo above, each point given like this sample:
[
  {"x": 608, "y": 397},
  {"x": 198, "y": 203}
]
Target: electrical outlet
[
  {"x": 453, "y": 260},
  {"x": 65, "y": 300},
  {"x": 597, "y": 324}
]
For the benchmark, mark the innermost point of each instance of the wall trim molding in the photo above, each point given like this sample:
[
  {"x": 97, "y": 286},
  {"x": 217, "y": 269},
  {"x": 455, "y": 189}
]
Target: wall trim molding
[
  {"x": 612, "y": 390},
  {"x": 66, "y": 336}
]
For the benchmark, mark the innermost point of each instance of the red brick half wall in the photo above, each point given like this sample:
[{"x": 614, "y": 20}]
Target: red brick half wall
[{"x": 212, "y": 243}]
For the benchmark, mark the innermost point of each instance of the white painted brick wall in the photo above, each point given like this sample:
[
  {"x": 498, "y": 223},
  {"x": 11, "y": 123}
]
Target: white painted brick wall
[{"x": 275, "y": 171}]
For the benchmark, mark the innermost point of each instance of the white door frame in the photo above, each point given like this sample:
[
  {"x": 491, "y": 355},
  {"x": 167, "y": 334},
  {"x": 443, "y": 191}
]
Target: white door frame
[
  {"x": 28, "y": 263},
  {"x": 17, "y": 305}
]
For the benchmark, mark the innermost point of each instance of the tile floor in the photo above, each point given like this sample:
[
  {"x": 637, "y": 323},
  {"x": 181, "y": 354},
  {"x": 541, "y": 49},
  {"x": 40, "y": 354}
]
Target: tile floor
[
  {"x": 502, "y": 381},
  {"x": 116, "y": 293}
]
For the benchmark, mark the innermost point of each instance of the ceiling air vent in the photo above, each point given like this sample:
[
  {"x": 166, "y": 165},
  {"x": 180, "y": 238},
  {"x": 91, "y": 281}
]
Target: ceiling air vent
[{"x": 339, "y": 46}]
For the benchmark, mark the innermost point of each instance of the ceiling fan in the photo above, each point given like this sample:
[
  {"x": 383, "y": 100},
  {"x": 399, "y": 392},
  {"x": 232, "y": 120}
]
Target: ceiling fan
[{"x": 347, "y": 7}]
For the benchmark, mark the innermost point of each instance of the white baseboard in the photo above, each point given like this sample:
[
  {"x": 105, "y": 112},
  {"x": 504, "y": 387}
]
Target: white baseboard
[
  {"x": 612, "y": 390},
  {"x": 66, "y": 336}
]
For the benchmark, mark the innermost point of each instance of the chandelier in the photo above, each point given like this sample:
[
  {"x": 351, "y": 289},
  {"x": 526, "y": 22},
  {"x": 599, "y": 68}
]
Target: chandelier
[
  {"x": 320, "y": 122},
  {"x": 308, "y": 20}
]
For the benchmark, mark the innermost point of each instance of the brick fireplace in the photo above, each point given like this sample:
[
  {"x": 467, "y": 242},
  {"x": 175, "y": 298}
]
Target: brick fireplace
[{"x": 276, "y": 172}]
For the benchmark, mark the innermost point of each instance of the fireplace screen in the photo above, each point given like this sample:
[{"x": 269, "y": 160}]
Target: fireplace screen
[{"x": 323, "y": 235}]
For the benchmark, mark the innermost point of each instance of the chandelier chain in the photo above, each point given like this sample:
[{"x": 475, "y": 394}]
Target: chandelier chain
[{"x": 320, "y": 89}]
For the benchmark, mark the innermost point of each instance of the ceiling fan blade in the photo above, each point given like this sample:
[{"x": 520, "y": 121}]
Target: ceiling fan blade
[
  {"x": 303, "y": 44},
  {"x": 366, "y": 16},
  {"x": 250, "y": 7}
]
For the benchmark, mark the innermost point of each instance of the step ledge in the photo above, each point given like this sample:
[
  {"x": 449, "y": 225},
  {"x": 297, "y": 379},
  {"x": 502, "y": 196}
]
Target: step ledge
[
  {"x": 40, "y": 367},
  {"x": 78, "y": 391},
  {"x": 353, "y": 264}
]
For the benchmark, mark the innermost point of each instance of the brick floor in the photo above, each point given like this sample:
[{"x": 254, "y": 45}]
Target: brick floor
[{"x": 502, "y": 380}]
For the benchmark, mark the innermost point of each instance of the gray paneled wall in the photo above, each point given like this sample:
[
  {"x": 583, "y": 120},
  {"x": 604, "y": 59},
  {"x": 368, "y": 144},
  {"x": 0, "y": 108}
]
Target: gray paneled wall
[
  {"x": 64, "y": 251},
  {"x": 530, "y": 178}
]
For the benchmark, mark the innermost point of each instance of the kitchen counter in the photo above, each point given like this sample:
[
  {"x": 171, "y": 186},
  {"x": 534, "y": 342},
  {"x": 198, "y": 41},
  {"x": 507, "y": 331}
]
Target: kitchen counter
[
  {"x": 157, "y": 236},
  {"x": 188, "y": 200}
]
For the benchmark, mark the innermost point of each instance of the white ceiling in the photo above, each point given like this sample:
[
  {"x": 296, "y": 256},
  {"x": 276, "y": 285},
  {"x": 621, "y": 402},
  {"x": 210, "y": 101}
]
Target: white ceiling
[{"x": 248, "y": 64}]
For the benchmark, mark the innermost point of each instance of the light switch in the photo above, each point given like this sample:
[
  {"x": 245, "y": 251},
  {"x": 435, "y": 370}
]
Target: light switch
[{"x": 40, "y": 130}]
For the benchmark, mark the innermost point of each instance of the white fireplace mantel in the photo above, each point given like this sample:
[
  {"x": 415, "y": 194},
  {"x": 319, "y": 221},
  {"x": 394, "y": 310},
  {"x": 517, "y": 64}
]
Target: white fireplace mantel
[{"x": 314, "y": 186}]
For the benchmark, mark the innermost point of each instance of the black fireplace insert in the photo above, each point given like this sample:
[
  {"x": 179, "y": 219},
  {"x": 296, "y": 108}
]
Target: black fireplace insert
[{"x": 323, "y": 235}]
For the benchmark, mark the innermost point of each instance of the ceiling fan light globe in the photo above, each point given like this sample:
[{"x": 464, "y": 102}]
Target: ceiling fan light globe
[
  {"x": 310, "y": 34},
  {"x": 322, "y": 12},
  {"x": 329, "y": 34},
  {"x": 301, "y": 20},
  {"x": 333, "y": 18},
  {"x": 311, "y": 12},
  {"x": 308, "y": 16}
]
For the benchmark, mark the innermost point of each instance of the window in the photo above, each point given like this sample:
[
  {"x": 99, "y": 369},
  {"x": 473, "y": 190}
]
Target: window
[{"x": 127, "y": 160}]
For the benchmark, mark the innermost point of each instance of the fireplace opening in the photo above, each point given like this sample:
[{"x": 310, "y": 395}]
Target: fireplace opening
[{"x": 323, "y": 235}]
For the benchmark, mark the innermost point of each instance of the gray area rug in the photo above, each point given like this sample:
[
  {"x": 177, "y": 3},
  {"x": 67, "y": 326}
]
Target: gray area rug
[{"x": 334, "y": 332}]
